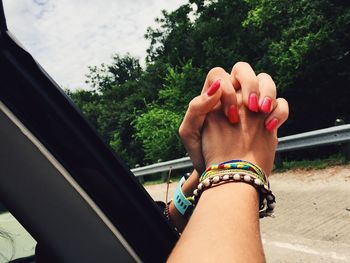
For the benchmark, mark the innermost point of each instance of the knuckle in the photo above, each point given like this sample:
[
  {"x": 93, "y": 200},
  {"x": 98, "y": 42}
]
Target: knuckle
[
  {"x": 240, "y": 65},
  {"x": 283, "y": 102},
  {"x": 183, "y": 133},
  {"x": 230, "y": 95},
  {"x": 284, "y": 107},
  {"x": 275, "y": 140},
  {"x": 264, "y": 75},
  {"x": 266, "y": 82},
  {"x": 192, "y": 105},
  {"x": 216, "y": 71},
  {"x": 211, "y": 117},
  {"x": 252, "y": 83}
]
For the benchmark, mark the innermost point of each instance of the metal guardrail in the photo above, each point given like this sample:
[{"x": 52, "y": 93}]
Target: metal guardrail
[
  {"x": 184, "y": 162},
  {"x": 333, "y": 135}
]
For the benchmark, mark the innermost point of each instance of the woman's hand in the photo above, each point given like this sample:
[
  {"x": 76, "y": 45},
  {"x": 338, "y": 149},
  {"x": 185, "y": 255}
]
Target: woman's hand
[{"x": 235, "y": 117}]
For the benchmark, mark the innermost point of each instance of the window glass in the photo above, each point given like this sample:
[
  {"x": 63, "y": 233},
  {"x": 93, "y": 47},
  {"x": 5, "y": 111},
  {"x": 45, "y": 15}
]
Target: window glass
[{"x": 15, "y": 241}]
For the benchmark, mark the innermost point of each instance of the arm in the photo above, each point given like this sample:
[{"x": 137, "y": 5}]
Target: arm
[
  {"x": 210, "y": 237},
  {"x": 225, "y": 224}
]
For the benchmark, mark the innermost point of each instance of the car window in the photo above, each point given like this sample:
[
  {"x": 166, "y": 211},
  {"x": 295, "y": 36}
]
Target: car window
[{"x": 15, "y": 241}]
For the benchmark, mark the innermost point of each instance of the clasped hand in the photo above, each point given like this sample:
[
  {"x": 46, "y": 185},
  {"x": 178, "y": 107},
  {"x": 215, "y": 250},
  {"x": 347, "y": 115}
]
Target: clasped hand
[{"x": 236, "y": 116}]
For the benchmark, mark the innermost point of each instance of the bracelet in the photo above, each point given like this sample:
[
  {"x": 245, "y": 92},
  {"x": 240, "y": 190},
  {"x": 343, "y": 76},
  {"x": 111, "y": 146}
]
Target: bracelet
[
  {"x": 238, "y": 164},
  {"x": 167, "y": 215},
  {"x": 267, "y": 198},
  {"x": 212, "y": 173},
  {"x": 238, "y": 171},
  {"x": 182, "y": 204}
]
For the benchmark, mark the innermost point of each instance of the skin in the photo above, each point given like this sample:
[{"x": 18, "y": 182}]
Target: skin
[
  {"x": 217, "y": 233},
  {"x": 216, "y": 230}
]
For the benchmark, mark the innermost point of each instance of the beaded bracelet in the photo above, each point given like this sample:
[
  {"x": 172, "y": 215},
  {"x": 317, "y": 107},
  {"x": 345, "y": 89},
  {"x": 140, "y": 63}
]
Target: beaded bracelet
[
  {"x": 267, "y": 198},
  {"x": 237, "y": 164},
  {"x": 224, "y": 171},
  {"x": 167, "y": 215},
  {"x": 239, "y": 171},
  {"x": 255, "y": 167}
]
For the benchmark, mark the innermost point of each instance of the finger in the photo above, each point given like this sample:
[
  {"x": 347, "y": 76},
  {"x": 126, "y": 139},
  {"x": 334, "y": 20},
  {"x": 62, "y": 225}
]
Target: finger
[
  {"x": 243, "y": 74},
  {"x": 267, "y": 89},
  {"x": 278, "y": 116},
  {"x": 193, "y": 121},
  {"x": 213, "y": 75},
  {"x": 228, "y": 98}
]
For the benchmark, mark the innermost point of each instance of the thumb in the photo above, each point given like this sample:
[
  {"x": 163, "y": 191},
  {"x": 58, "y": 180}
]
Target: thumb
[{"x": 190, "y": 128}]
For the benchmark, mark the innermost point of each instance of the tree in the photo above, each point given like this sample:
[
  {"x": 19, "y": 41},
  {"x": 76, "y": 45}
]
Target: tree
[
  {"x": 307, "y": 52},
  {"x": 303, "y": 44},
  {"x": 121, "y": 70},
  {"x": 158, "y": 131}
]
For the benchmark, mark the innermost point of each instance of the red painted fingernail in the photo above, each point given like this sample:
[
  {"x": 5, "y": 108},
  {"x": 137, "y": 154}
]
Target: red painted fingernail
[
  {"x": 266, "y": 105},
  {"x": 271, "y": 124},
  {"x": 253, "y": 102},
  {"x": 213, "y": 88},
  {"x": 233, "y": 114}
]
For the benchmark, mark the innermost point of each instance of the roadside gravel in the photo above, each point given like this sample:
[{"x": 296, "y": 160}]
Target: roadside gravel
[{"x": 312, "y": 216}]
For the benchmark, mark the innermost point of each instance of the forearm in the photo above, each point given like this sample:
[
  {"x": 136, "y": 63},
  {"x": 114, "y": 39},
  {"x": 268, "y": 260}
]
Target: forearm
[{"x": 223, "y": 228}]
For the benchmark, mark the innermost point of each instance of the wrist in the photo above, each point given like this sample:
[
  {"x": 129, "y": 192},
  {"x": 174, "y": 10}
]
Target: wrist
[
  {"x": 237, "y": 193},
  {"x": 190, "y": 184}
]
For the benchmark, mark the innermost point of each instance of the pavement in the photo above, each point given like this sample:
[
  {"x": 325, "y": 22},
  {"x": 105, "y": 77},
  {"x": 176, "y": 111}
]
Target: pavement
[{"x": 312, "y": 216}]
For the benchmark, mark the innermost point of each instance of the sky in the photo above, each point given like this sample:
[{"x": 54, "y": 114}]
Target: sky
[{"x": 67, "y": 36}]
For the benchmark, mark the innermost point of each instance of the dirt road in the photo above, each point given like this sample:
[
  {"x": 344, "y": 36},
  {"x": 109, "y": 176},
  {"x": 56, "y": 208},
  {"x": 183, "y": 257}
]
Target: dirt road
[{"x": 312, "y": 216}]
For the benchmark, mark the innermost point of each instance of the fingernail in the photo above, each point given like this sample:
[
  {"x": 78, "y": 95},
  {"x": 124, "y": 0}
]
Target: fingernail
[
  {"x": 213, "y": 88},
  {"x": 233, "y": 114},
  {"x": 271, "y": 124},
  {"x": 253, "y": 102},
  {"x": 266, "y": 105}
]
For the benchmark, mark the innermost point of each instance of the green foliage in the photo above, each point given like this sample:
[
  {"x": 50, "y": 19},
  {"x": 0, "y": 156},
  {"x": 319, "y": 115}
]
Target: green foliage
[
  {"x": 303, "y": 44},
  {"x": 157, "y": 129},
  {"x": 88, "y": 102},
  {"x": 295, "y": 31},
  {"x": 121, "y": 70},
  {"x": 181, "y": 84},
  {"x": 113, "y": 104}
]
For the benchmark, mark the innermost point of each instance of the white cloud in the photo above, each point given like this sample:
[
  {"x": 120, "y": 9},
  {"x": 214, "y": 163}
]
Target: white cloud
[{"x": 66, "y": 36}]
